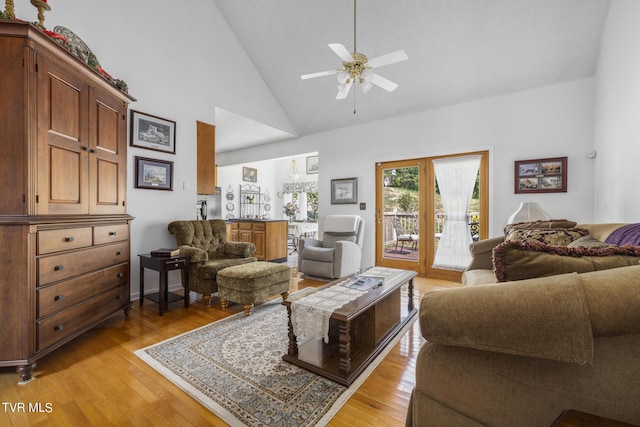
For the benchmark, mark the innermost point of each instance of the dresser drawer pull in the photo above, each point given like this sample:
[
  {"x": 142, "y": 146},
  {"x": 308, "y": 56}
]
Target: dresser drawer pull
[
  {"x": 68, "y": 239},
  {"x": 112, "y": 233},
  {"x": 118, "y": 253},
  {"x": 58, "y": 297},
  {"x": 119, "y": 296},
  {"x": 120, "y": 275},
  {"x": 58, "y": 328},
  {"x": 58, "y": 268}
]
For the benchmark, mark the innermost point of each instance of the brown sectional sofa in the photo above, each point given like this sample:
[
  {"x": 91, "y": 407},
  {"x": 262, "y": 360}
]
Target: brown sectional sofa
[{"x": 521, "y": 352}]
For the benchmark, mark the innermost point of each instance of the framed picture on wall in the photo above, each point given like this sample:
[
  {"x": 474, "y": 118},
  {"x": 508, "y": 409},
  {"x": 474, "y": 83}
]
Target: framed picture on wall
[
  {"x": 541, "y": 175},
  {"x": 154, "y": 174},
  {"x": 312, "y": 165},
  {"x": 249, "y": 174},
  {"x": 344, "y": 191},
  {"x": 152, "y": 133}
]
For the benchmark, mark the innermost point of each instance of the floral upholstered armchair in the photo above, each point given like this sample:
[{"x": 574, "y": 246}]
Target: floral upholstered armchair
[{"x": 204, "y": 243}]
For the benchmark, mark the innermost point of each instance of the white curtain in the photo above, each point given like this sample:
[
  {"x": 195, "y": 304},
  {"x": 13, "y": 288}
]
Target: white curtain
[
  {"x": 456, "y": 178},
  {"x": 302, "y": 206}
]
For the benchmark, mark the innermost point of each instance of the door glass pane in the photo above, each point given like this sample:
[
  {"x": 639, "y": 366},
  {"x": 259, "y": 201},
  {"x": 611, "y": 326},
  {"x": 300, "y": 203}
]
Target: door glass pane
[{"x": 400, "y": 195}]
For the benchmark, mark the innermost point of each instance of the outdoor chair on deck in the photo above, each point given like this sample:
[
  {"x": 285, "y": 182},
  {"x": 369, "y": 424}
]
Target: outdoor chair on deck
[{"x": 405, "y": 230}]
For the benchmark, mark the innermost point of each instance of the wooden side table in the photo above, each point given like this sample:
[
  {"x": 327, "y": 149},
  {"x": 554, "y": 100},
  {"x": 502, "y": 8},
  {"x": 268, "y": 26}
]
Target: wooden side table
[{"x": 163, "y": 265}]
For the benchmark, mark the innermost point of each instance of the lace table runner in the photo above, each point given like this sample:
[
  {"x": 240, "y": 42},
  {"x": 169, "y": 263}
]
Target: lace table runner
[{"x": 310, "y": 315}]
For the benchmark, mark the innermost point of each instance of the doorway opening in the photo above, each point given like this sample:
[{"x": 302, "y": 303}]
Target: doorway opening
[{"x": 411, "y": 215}]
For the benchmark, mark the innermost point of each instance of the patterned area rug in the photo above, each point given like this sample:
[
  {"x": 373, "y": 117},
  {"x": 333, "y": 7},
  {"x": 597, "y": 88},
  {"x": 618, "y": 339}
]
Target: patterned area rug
[{"x": 234, "y": 367}]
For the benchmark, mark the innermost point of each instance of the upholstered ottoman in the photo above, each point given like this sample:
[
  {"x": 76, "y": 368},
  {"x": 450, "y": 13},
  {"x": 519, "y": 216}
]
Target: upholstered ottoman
[{"x": 252, "y": 283}]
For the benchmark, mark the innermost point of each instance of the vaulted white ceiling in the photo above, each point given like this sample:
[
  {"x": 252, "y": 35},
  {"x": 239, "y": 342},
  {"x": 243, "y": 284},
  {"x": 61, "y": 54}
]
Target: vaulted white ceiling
[{"x": 459, "y": 51}]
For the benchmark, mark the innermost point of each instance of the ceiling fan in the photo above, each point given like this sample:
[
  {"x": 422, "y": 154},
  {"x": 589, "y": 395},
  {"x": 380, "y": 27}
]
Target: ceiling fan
[{"x": 357, "y": 68}]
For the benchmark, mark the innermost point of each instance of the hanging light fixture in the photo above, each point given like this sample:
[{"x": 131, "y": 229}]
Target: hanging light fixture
[{"x": 293, "y": 173}]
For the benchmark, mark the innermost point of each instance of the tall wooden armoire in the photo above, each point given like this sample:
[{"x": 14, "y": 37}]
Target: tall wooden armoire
[{"x": 64, "y": 228}]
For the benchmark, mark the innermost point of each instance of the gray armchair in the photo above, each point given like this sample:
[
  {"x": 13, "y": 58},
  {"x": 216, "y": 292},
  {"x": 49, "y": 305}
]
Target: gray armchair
[
  {"x": 339, "y": 252},
  {"x": 205, "y": 244}
]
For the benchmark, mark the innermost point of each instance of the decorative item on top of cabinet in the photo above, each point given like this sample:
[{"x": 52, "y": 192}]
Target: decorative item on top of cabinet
[{"x": 65, "y": 229}]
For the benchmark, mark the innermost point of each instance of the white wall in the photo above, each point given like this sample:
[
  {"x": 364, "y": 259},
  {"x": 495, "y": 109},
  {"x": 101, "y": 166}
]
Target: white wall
[
  {"x": 180, "y": 63},
  {"x": 617, "y": 116},
  {"x": 552, "y": 121}
]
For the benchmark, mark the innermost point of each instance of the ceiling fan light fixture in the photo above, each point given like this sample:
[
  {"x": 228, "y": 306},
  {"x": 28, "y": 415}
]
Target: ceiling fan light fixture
[
  {"x": 343, "y": 77},
  {"x": 366, "y": 75},
  {"x": 358, "y": 69}
]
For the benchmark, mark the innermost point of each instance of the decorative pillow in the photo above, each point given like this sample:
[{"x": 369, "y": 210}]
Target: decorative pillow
[
  {"x": 556, "y": 237},
  {"x": 625, "y": 235},
  {"x": 516, "y": 260},
  {"x": 588, "y": 242},
  {"x": 540, "y": 225}
]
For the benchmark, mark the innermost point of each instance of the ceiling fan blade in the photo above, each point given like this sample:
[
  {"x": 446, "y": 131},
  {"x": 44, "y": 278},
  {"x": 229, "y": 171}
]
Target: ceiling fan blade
[
  {"x": 384, "y": 83},
  {"x": 320, "y": 74},
  {"x": 343, "y": 90},
  {"x": 389, "y": 58},
  {"x": 341, "y": 51}
]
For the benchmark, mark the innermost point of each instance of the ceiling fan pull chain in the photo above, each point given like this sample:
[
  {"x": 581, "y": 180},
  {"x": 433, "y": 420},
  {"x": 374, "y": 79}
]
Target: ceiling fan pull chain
[{"x": 354, "y": 101}]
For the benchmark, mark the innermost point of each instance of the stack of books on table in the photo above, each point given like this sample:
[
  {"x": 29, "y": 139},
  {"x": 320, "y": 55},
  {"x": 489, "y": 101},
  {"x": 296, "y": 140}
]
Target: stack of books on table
[{"x": 164, "y": 252}]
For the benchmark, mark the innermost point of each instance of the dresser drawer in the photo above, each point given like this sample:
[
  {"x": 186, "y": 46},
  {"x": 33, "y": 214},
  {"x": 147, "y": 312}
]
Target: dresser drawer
[
  {"x": 55, "y": 298},
  {"x": 59, "y": 267},
  {"x": 244, "y": 226},
  {"x": 64, "y": 239},
  {"x": 259, "y": 226},
  {"x": 110, "y": 233},
  {"x": 55, "y": 328}
]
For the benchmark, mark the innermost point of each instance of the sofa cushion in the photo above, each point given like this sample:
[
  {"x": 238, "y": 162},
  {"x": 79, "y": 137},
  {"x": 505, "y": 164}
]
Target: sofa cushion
[
  {"x": 557, "y": 237},
  {"x": 601, "y": 230},
  {"x": 545, "y": 318},
  {"x": 516, "y": 260},
  {"x": 209, "y": 269},
  {"x": 481, "y": 253}
]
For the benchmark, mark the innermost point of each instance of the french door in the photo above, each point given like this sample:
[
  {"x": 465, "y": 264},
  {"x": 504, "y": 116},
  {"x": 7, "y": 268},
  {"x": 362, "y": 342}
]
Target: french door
[{"x": 410, "y": 216}]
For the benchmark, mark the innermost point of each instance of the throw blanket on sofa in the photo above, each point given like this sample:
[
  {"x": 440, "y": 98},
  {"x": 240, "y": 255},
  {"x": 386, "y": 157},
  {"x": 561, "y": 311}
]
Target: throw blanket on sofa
[{"x": 625, "y": 235}]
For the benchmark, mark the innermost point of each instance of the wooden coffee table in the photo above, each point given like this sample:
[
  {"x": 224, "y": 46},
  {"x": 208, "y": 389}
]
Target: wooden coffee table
[{"x": 358, "y": 331}]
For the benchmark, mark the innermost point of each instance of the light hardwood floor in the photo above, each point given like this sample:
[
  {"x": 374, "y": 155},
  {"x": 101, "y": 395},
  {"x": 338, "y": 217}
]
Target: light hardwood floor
[{"x": 96, "y": 380}]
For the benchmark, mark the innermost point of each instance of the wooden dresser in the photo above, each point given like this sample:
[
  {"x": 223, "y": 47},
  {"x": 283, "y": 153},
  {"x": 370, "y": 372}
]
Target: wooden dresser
[{"x": 64, "y": 229}]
